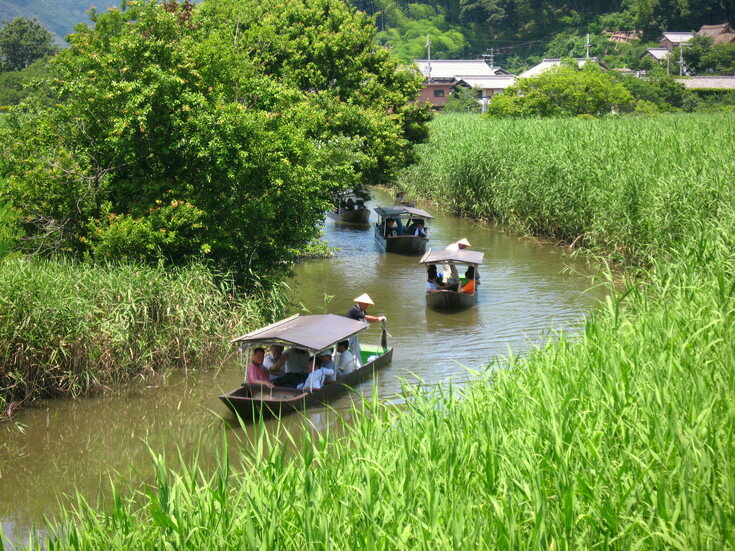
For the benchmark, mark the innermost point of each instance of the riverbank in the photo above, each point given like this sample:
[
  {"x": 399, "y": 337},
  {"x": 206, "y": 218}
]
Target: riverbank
[
  {"x": 619, "y": 438},
  {"x": 69, "y": 328}
]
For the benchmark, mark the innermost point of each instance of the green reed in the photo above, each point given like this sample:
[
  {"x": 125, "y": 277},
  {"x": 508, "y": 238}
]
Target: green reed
[
  {"x": 67, "y": 328},
  {"x": 620, "y": 439},
  {"x": 626, "y": 187}
]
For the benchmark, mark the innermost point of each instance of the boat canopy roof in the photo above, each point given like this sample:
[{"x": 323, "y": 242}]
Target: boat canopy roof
[
  {"x": 401, "y": 210},
  {"x": 312, "y": 333},
  {"x": 462, "y": 256},
  {"x": 346, "y": 193}
]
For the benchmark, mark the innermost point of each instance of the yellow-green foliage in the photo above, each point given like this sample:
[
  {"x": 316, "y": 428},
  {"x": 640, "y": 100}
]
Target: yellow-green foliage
[
  {"x": 67, "y": 328},
  {"x": 620, "y": 440},
  {"x": 629, "y": 187}
]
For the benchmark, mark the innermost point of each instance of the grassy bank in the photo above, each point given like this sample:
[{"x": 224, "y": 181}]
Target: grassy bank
[
  {"x": 626, "y": 187},
  {"x": 620, "y": 439},
  {"x": 69, "y": 328}
]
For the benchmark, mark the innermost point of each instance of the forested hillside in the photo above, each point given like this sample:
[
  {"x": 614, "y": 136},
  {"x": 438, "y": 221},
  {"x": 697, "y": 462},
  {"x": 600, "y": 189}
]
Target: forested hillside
[{"x": 515, "y": 28}]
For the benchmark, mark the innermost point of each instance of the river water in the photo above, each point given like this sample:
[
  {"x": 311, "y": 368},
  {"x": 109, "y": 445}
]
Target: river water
[{"x": 528, "y": 290}]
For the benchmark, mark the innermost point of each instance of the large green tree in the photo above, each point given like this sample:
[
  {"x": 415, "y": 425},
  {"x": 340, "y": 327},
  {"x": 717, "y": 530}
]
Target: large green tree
[
  {"x": 23, "y": 41},
  {"x": 563, "y": 91},
  {"x": 181, "y": 133}
]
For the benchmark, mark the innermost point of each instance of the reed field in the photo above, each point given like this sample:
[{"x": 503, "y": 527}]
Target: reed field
[
  {"x": 67, "y": 328},
  {"x": 622, "y": 439},
  {"x": 626, "y": 187}
]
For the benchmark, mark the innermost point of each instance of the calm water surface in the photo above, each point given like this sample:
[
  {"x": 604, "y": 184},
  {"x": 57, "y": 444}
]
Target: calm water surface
[{"x": 528, "y": 290}]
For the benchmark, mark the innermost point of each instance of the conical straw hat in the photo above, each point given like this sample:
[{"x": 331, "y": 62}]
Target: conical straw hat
[
  {"x": 365, "y": 299},
  {"x": 464, "y": 241}
]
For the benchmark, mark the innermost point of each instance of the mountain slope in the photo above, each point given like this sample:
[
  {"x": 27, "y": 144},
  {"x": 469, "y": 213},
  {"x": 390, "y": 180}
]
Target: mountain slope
[{"x": 58, "y": 16}]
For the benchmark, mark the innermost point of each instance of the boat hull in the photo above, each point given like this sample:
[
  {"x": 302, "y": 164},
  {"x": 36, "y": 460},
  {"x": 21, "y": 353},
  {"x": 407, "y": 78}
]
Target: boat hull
[
  {"x": 357, "y": 217},
  {"x": 402, "y": 244},
  {"x": 448, "y": 301},
  {"x": 250, "y": 400}
]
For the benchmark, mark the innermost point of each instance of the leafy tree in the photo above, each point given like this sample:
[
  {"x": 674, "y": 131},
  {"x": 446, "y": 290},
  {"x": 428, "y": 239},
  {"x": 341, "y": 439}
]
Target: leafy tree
[
  {"x": 563, "y": 91},
  {"x": 462, "y": 100},
  {"x": 15, "y": 86},
  {"x": 216, "y": 131},
  {"x": 23, "y": 41},
  {"x": 661, "y": 90},
  {"x": 704, "y": 57}
]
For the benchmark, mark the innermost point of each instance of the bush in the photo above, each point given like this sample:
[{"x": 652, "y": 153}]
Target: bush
[
  {"x": 68, "y": 328},
  {"x": 563, "y": 92}
]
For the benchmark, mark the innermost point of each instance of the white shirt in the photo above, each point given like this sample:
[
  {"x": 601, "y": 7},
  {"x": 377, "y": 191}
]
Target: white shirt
[
  {"x": 345, "y": 362},
  {"x": 315, "y": 380},
  {"x": 430, "y": 285},
  {"x": 268, "y": 363}
]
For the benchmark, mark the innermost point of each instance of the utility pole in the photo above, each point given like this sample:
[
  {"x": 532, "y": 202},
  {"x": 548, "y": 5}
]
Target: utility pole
[
  {"x": 587, "y": 46},
  {"x": 491, "y": 57},
  {"x": 428, "y": 56},
  {"x": 681, "y": 59}
]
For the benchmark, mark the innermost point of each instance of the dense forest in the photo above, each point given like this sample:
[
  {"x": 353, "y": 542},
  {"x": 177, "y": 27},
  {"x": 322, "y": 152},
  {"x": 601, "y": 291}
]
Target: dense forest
[{"x": 515, "y": 28}]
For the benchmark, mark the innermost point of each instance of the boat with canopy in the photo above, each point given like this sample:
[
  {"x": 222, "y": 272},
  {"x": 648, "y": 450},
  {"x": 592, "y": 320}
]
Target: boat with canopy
[
  {"x": 396, "y": 227},
  {"x": 310, "y": 333},
  {"x": 446, "y": 299},
  {"x": 349, "y": 208}
]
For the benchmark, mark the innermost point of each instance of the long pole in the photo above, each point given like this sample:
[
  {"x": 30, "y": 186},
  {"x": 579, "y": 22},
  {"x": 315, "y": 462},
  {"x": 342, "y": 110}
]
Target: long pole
[
  {"x": 587, "y": 45},
  {"x": 428, "y": 55}
]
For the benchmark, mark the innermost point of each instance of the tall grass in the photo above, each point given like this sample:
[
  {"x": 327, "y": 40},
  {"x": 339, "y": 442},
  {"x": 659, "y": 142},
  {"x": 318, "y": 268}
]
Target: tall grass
[
  {"x": 622, "y": 440},
  {"x": 626, "y": 187},
  {"x": 67, "y": 328}
]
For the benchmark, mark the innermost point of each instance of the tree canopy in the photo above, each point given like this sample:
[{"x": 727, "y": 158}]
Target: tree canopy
[
  {"x": 23, "y": 41},
  {"x": 563, "y": 91},
  {"x": 216, "y": 131}
]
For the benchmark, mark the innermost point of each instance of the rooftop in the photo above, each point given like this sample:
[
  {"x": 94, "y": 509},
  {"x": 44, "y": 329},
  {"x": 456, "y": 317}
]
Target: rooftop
[
  {"x": 677, "y": 38},
  {"x": 309, "y": 332},
  {"x": 709, "y": 83},
  {"x": 547, "y": 64},
  {"x": 400, "y": 210},
  {"x": 461, "y": 256},
  {"x": 659, "y": 53},
  {"x": 496, "y": 82},
  {"x": 450, "y": 68}
]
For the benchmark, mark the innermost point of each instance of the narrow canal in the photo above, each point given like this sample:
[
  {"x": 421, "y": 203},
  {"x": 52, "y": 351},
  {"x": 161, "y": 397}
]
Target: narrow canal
[{"x": 528, "y": 290}]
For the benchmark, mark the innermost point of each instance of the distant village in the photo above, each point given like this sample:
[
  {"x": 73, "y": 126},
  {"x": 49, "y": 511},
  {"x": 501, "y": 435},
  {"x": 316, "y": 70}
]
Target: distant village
[{"x": 444, "y": 76}]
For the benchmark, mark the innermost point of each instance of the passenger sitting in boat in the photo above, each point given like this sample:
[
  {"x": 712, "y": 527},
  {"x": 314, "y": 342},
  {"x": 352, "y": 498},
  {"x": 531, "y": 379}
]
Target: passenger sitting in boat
[
  {"x": 350, "y": 204},
  {"x": 274, "y": 362},
  {"x": 469, "y": 286},
  {"x": 360, "y": 204},
  {"x": 257, "y": 374},
  {"x": 433, "y": 283},
  {"x": 344, "y": 358},
  {"x": 297, "y": 364},
  {"x": 419, "y": 229},
  {"x": 390, "y": 229},
  {"x": 317, "y": 374},
  {"x": 327, "y": 364}
]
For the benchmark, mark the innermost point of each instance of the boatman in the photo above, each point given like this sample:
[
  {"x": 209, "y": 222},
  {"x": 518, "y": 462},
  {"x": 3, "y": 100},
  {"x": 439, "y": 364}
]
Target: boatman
[
  {"x": 453, "y": 279},
  {"x": 359, "y": 312}
]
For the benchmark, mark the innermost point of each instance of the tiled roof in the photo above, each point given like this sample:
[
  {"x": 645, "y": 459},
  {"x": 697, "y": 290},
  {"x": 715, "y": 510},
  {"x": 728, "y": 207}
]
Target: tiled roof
[
  {"x": 677, "y": 38},
  {"x": 547, "y": 64},
  {"x": 448, "y": 68},
  {"x": 659, "y": 53},
  {"x": 709, "y": 83},
  {"x": 500, "y": 82}
]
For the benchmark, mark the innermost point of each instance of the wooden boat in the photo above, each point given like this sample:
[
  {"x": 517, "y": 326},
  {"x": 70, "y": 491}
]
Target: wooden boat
[
  {"x": 446, "y": 300},
  {"x": 312, "y": 333},
  {"x": 403, "y": 242},
  {"x": 355, "y": 213}
]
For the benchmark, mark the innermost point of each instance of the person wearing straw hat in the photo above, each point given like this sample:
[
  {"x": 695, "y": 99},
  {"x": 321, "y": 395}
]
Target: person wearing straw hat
[
  {"x": 451, "y": 274},
  {"x": 359, "y": 312}
]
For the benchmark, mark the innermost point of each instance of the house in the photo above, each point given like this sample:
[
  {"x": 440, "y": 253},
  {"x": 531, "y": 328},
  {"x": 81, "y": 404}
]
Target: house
[
  {"x": 658, "y": 54},
  {"x": 547, "y": 64},
  {"x": 674, "y": 40},
  {"x": 720, "y": 34},
  {"x": 441, "y": 76},
  {"x": 623, "y": 37}
]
